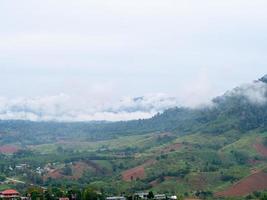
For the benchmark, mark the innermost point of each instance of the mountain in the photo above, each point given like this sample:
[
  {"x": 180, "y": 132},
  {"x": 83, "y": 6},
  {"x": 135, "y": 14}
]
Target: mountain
[
  {"x": 242, "y": 109},
  {"x": 264, "y": 79},
  {"x": 209, "y": 152}
]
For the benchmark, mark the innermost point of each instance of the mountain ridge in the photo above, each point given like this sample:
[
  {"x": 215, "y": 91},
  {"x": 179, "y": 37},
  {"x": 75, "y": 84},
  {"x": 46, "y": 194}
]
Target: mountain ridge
[{"x": 242, "y": 109}]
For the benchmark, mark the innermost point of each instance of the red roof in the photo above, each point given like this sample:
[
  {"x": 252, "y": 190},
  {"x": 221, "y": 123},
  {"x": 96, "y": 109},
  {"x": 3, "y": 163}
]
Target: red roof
[{"x": 10, "y": 192}]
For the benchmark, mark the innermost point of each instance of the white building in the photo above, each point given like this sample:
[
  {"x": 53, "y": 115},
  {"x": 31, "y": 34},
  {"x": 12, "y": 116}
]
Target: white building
[{"x": 116, "y": 198}]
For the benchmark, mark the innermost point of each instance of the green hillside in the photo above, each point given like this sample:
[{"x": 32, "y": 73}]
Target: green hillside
[{"x": 196, "y": 152}]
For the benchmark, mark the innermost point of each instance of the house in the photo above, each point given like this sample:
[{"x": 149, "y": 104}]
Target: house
[
  {"x": 21, "y": 166},
  {"x": 10, "y": 194},
  {"x": 25, "y": 198},
  {"x": 174, "y": 197},
  {"x": 140, "y": 195},
  {"x": 160, "y": 197},
  {"x": 116, "y": 198}
]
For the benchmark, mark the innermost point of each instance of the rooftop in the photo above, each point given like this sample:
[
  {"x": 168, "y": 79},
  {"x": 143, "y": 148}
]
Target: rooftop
[{"x": 9, "y": 192}]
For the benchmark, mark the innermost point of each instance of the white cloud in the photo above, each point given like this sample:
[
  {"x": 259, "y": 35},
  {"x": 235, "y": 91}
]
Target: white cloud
[
  {"x": 255, "y": 93},
  {"x": 96, "y": 103},
  {"x": 133, "y": 47},
  {"x": 63, "y": 107}
]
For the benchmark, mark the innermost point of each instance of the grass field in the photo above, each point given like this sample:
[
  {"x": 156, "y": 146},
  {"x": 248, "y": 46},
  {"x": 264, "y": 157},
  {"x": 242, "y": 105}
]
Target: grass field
[{"x": 136, "y": 141}]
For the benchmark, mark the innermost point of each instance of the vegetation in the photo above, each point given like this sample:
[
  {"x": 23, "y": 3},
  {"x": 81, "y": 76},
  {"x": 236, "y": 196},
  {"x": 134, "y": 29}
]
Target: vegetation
[{"x": 190, "y": 152}]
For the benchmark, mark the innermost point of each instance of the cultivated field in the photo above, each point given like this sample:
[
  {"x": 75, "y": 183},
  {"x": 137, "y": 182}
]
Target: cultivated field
[{"x": 254, "y": 182}]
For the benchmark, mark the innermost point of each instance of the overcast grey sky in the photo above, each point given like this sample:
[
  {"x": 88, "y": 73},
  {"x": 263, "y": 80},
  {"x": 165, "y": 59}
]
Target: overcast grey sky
[{"x": 94, "y": 52}]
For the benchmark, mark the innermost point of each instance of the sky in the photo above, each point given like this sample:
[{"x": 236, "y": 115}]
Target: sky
[{"x": 118, "y": 59}]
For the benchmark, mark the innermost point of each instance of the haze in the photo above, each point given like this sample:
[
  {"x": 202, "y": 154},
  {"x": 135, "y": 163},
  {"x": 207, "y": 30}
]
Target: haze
[{"x": 88, "y": 60}]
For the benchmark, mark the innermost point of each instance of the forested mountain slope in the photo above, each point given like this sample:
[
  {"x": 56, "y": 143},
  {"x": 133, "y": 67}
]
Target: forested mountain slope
[{"x": 243, "y": 108}]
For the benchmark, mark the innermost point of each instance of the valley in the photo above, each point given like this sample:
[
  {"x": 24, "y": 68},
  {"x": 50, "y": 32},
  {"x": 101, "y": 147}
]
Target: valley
[{"x": 212, "y": 152}]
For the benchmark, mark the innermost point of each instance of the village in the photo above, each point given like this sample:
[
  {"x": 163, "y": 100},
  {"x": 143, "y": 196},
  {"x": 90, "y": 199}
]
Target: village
[{"x": 11, "y": 194}]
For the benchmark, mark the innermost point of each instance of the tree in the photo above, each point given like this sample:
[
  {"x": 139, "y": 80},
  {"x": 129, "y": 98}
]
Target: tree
[
  {"x": 2, "y": 178},
  {"x": 89, "y": 194},
  {"x": 60, "y": 149},
  {"x": 57, "y": 192},
  {"x": 180, "y": 197},
  {"x": 74, "y": 194},
  {"x": 150, "y": 195},
  {"x": 49, "y": 196},
  {"x": 263, "y": 196},
  {"x": 67, "y": 171},
  {"x": 35, "y": 193}
]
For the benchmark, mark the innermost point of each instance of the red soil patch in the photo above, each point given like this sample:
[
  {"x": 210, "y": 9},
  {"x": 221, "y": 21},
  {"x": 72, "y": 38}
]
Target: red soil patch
[
  {"x": 137, "y": 172},
  {"x": 134, "y": 173},
  {"x": 154, "y": 183},
  {"x": 261, "y": 149},
  {"x": 54, "y": 174},
  {"x": 255, "y": 171},
  {"x": 78, "y": 169},
  {"x": 8, "y": 149},
  {"x": 254, "y": 182}
]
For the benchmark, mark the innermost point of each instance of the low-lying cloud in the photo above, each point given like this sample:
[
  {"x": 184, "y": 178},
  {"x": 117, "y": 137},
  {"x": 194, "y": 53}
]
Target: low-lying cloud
[
  {"x": 255, "y": 93},
  {"x": 63, "y": 107}
]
